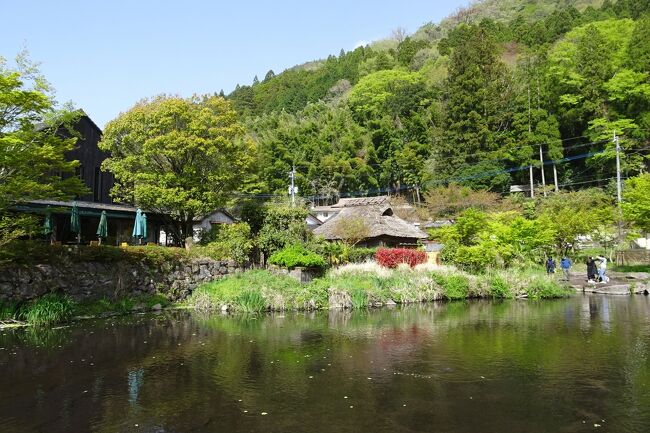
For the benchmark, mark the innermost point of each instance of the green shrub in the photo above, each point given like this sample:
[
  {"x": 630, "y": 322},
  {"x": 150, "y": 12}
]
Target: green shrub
[
  {"x": 544, "y": 288},
  {"x": 297, "y": 255},
  {"x": 340, "y": 253},
  {"x": 359, "y": 297},
  {"x": 454, "y": 286},
  {"x": 227, "y": 241},
  {"x": 474, "y": 258},
  {"x": 499, "y": 288},
  {"x": 48, "y": 310},
  {"x": 283, "y": 226},
  {"x": 250, "y": 301},
  {"x": 360, "y": 255}
]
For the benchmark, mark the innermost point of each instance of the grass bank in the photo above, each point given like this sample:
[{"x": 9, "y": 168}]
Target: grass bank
[
  {"x": 54, "y": 309},
  {"x": 368, "y": 285},
  {"x": 351, "y": 286}
]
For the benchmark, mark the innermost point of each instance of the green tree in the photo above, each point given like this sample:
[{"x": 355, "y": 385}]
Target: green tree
[
  {"x": 32, "y": 157},
  {"x": 475, "y": 100},
  {"x": 269, "y": 75},
  {"x": 228, "y": 241},
  {"x": 576, "y": 213},
  {"x": 179, "y": 157},
  {"x": 639, "y": 46},
  {"x": 283, "y": 226},
  {"x": 636, "y": 202}
]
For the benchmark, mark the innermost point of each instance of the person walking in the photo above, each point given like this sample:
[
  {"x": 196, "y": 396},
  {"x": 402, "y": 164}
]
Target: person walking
[
  {"x": 591, "y": 270},
  {"x": 565, "y": 264},
  {"x": 550, "y": 266},
  {"x": 602, "y": 270}
]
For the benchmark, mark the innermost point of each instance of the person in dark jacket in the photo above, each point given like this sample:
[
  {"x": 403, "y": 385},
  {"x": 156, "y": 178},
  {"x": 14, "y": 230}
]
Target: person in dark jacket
[
  {"x": 591, "y": 269},
  {"x": 550, "y": 266}
]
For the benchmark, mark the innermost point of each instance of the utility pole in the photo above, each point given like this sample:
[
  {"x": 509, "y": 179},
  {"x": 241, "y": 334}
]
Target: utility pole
[
  {"x": 532, "y": 187},
  {"x": 618, "y": 186},
  {"x": 557, "y": 187},
  {"x": 292, "y": 188},
  {"x": 541, "y": 163},
  {"x": 618, "y": 169}
]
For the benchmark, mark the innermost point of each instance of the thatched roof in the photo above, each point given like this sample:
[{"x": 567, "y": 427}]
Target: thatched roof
[
  {"x": 378, "y": 216},
  {"x": 362, "y": 201}
]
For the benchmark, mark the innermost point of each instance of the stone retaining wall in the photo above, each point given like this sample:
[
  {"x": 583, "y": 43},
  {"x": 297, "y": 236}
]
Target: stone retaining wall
[{"x": 94, "y": 280}]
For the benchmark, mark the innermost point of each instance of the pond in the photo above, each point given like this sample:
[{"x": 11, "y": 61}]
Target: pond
[{"x": 573, "y": 365}]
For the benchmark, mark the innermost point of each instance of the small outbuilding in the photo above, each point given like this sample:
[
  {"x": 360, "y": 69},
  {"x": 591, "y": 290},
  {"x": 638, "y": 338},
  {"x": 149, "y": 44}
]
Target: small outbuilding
[{"x": 374, "y": 222}]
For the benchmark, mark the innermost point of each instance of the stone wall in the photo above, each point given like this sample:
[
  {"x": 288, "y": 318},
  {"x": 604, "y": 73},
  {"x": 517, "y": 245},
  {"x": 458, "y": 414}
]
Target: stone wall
[
  {"x": 95, "y": 280},
  {"x": 302, "y": 275}
]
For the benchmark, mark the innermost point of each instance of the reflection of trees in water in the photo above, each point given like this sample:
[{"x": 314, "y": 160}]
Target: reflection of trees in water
[{"x": 199, "y": 365}]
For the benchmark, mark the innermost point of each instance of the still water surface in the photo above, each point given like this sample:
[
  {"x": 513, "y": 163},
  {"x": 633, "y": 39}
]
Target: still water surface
[{"x": 575, "y": 365}]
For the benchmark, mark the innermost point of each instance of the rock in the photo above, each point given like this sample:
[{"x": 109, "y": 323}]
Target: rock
[
  {"x": 225, "y": 308},
  {"x": 339, "y": 299},
  {"x": 157, "y": 307},
  {"x": 138, "y": 307},
  {"x": 108, "y": 314},
  {"x": 391, "y": 303}
]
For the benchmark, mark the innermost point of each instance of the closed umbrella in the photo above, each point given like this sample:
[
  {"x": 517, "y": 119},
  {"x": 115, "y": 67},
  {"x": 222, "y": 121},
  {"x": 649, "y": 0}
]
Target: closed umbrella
[
  {"x": 138, "y": 232},
  {"x": 144, "y": 225},
  {"x": 75, "y": 221},
  {"x": 48, "y": 226},
  {"x": 102, "y": 228}
]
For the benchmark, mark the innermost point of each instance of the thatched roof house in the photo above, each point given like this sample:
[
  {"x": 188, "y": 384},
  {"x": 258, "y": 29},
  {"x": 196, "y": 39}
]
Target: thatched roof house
[{"x": 380, "y": 226}]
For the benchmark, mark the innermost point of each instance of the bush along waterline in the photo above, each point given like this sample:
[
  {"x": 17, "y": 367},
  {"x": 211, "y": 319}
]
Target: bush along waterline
[{"x": 368, "y": 285}]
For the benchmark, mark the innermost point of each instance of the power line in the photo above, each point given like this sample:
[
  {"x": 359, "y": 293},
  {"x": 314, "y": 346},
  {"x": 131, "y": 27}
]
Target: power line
[{"x": 371, "y": 192}]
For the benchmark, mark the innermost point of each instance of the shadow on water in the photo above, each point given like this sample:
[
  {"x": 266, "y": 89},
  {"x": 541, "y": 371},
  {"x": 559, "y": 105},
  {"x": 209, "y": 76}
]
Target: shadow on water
[{"x": 542, "y": 366}]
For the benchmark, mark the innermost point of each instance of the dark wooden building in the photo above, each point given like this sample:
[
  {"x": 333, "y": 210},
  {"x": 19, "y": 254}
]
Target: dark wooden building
[
  {"x": 120, "y": 216},
  {"x": 90, "y": 157}
]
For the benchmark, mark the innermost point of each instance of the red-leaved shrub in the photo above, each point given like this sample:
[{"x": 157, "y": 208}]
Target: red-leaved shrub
[{"x": 391, "y": 257}]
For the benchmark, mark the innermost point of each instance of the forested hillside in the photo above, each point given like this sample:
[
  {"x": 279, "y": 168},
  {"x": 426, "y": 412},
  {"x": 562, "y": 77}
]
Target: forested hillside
[{"x": 472, "y": 100}]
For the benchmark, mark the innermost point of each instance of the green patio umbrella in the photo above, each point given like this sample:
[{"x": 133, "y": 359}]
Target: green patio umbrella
[
  {"x": 75, "y": 221},
  {"x": 139, "y": 230},
  {"x": 102, "y": 228}
]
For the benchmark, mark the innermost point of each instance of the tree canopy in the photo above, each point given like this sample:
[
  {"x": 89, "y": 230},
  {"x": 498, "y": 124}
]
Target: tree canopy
[
  {"x": 32, "y": 151},
  {"x": 180, "y": 157}
]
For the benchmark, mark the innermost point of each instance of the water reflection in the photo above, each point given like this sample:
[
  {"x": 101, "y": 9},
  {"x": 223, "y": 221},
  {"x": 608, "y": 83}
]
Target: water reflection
[
  {"x": 135, "y": 378},
  {"x": 465, "y": 367}
]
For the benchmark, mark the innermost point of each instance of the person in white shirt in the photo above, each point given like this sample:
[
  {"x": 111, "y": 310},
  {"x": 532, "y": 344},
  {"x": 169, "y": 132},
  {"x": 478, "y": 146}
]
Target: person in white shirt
[{"x": 602, "y": 269}]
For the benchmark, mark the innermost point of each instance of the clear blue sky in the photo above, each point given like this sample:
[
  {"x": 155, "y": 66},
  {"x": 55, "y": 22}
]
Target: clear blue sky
[{"x": 105, "y": 55}]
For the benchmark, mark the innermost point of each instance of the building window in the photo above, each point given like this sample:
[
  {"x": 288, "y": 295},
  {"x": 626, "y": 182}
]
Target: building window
[{"x": 97, "y": 185}]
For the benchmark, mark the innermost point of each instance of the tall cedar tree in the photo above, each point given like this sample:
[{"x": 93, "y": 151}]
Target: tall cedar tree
[{"x": 474, "y": 99}]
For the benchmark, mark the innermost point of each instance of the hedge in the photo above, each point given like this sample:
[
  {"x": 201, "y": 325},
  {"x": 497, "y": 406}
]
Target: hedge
[{"x": 392, "y": 257}]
